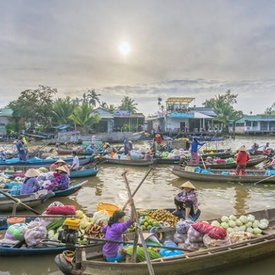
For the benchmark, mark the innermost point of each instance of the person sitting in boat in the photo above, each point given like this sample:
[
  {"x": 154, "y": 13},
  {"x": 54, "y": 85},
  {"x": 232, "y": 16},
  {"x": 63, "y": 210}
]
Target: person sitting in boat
[
  {"x": 187, "y": 203},
  {"x": 242, "y": 157},
  {"x": 113, "y": 232},
  {"x": 30, "y": 183},
  {"x": 194, "y": 159},
  {"x": 59, "y": 163},
  {"x": 254, "y": 148},
  {"x": 75, "y": 164},
  {"x": 148, "y": 155},
  {"x": 60, "y": 181}
]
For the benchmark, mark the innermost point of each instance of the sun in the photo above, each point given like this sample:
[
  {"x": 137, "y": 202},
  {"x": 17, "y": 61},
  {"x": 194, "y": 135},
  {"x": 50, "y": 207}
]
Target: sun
[{"x": 124, "y": 48}]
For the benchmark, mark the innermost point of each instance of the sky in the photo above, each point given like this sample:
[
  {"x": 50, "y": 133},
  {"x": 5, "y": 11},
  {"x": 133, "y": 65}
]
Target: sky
[{"x": 175, "y": 48}]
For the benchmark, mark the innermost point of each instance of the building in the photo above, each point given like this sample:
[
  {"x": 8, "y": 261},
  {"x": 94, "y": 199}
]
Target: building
[
  {"x": 180, "y": 115},
  {"x": 5, "y": 117},
  {"x": 254, "y": 125}
]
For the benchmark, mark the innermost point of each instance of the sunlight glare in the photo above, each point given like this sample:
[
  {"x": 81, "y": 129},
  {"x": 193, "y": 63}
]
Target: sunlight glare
[{"x": 124, "y": 48}]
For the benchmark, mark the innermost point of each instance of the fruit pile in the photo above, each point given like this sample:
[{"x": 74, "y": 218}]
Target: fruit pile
[{"x": 146, "y": 223}]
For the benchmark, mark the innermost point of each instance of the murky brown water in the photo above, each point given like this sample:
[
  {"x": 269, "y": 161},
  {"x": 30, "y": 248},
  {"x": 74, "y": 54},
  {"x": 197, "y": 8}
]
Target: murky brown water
[{"x": 216, "y": 199}]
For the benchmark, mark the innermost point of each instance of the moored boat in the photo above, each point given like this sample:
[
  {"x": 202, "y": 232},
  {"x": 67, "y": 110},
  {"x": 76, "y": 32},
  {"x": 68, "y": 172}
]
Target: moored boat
[
  {"x": 130, "y": 162},
  {"x": 89, "y": 260},
  {"x": 89, "y": 172},
  {"x": 221, "y": 176}
]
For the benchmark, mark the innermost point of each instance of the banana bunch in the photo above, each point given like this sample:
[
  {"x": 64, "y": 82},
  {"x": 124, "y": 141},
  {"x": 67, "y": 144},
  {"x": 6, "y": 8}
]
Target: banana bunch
[
  {"x": 164, "y": 216},
  {"x": 94, "y": 230}
]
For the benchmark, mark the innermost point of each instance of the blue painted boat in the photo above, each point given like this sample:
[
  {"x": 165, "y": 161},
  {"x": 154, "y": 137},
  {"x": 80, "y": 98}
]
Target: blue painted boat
[
  {"x": 84, "y": 173},
  {"x": 71, "y": 190},
  {"x": 38, "y": 162},
  {"x": 20, "y": 249}
]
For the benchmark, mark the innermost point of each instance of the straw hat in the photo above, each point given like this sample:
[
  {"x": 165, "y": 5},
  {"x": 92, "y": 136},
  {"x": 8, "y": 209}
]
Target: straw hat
[
  {"x": 61, "y": 168},
  {"x": 242, "y": 148},
  {"x": 188, "y": 184},
  {"x": 32, "y": 173},
  {"x": 60, "y": 161}
]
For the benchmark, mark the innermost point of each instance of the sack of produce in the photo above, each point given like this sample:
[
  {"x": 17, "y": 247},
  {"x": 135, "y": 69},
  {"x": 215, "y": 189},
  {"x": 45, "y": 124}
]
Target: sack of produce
[
  {"x": 211, "y": 242},
  {"x": 61, "y": 210},
  {"x": 193, "y": 246},
  {"x": 35, "y": 232},
  {"x": 182, "y": 226},
  {"x": 194, "y": 236},
  {"x": 101, "y": 216},
  {"x": 217, "y": 233},
  {"x": 15, "y": 232},
  {"x": 202, "y": 227},
  {"x": 180, "y": 238}
]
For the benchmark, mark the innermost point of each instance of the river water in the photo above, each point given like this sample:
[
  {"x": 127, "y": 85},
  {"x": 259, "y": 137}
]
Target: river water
[{"x": 216, "y": 199}]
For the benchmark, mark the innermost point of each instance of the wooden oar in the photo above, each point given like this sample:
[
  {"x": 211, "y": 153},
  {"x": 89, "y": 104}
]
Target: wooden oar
[
  {"x": 148, "y": 260},
  {"x": 264, "y": 179},
  {"x": 16, "y": 200},
  {"x": 148, "y": 172}
]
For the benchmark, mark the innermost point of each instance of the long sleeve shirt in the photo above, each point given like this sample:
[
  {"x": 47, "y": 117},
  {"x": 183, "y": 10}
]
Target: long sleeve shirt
[
  {"x": 114, "y": 233},
  {"x": 30, "y": 186}
]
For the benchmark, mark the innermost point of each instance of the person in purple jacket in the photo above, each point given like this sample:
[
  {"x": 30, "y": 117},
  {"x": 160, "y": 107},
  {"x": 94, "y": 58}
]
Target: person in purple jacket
[
  {"x": 30, "y": 183},
  {"x": 113, "y": 231}
]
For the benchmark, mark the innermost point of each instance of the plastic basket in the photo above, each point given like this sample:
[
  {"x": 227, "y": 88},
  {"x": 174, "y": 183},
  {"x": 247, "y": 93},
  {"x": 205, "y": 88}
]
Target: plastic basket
[
  {"x": 14, "y": 220},
  {"x": 109, "y": 207}
]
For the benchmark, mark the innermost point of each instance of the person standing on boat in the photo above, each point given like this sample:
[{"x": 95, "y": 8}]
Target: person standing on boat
[
  {"x": 30, "y": 183},
  {"x": 194, "y": 159},
  {"x": 242, "y": 157},
  {"x": 113, "y": 232},
  {"x": 154, "y": 147},
  {"x": 22, "y": 152},
  {"x": 75, "y": 164},
  {"x": 187, "y": 202}
]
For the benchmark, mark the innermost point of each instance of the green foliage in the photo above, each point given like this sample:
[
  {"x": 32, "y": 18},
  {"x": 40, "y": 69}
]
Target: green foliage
[
  {"x": 222, "y": 105},
  {"x": 125, "y": 128},
  {"x": 270, "y": 110},
  {"x": 128, "y": 104},
  {"x": 62, "y": 109},
  {"x": 82, "y": 117},
  {"x": 34, "y": 106}
]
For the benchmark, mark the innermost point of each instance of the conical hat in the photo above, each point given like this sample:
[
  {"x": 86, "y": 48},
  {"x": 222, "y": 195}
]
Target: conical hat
[
  {"x": 31, "y": 173},
  {"x": 188, "y": 184},
  {"x": 242, "y": 148},
  {"x": 61, "y": 168},
  {"x": 60, "y": 161}
]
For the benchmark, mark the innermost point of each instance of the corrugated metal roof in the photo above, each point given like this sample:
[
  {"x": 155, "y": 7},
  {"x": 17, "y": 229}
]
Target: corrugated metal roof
[
  {"x": 256, "y": 118},
  {"x": 180, "y": 99},
  {"x": 6, "y": 112}
]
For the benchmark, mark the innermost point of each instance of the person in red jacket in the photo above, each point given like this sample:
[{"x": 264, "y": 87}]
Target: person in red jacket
[{"x": 242, "y": 157}]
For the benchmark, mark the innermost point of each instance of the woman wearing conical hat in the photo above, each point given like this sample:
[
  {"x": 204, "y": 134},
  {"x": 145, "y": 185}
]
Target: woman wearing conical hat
[
  {"x": 187, "y": 202},
  {"x": 30, "y": 183},
  {"x": 242, "y": 157},
  {"x": 61, "y": 180}
]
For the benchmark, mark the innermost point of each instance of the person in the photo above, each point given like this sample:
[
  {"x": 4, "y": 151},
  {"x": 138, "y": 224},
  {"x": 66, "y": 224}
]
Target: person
[
  {"x": 75, "y": 164},
  {"x": 169, "y": 144},
  {"x": 113, "y": 231},
  {"x": 22, "y": 152},
  {"x": 148, "y": 155},
  {"x": 266, "y": 146},
  {"x": 126, "y": 146},
  {"x": 158, "y": 139},
  {"x": 254, "y": 148},
  {"x": 30, "y": 183},
  {"x": 130, "y": 145},
  {"x": 61, "y": 180},
  {"x": 194, "y": 159},
  {"x": 242, "y": 157},
  {"x": 59, "y": 163},
  {"x": 187, "y": 202},
  {"x": 154, "y": 147}
]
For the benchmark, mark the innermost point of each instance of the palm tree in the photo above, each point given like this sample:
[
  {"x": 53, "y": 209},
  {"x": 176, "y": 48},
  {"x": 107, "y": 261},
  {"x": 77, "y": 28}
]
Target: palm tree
[
  {"x": 82, "y": 117},
  {"x": 93, "y": 97},
  {"x": 62, "y": 109},
  {"x": 128, "y": 104},
  {"x": 159, "y": 101}
]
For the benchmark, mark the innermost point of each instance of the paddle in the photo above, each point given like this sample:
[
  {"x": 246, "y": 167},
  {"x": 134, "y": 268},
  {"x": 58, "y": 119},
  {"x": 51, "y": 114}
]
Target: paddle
[
  {"x": 150, "y": 169},
  {"x": 264, "y": 179},
  {"x": 148, "y": 260},
  {"x": 19, "y": 202}
]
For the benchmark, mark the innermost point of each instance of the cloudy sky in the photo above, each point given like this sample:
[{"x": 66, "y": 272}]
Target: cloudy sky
[{"x": 192, "y": 48}]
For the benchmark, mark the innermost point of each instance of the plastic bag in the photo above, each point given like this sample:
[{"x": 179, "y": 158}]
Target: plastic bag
[
  {"x": 16, "y": 232},
  {"x": 202, "y": 227},
  {"x": 35, "y": 232},
  {"x": 217, "y": 233},
  {"x": 101, "y": 215},
  {"x": 211, "y": 242},
  {"x": 61, "y": 210},
  {"x": 182, "y": 226}
]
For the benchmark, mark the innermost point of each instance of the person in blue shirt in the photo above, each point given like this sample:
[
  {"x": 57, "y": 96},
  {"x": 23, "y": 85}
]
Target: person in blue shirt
[
  {"x": 194, "y": 159},
  {"x": 22, "y": 153}
]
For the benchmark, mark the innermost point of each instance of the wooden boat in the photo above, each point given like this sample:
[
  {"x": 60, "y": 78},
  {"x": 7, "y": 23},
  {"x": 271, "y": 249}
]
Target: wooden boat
[
  {"x": 19, "y": 248},
  {"x": 90, "y": 172},
  {"x": 89, "y": 260},
  {"x": 58, "y": 193},
  {"x": 254, "y": 160},
  {"x": 37, "y": 162},
  {"x": 31, "y": 200},
  {"x": 219, "y": 175},
  {"x": 131, "y": 162}
]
